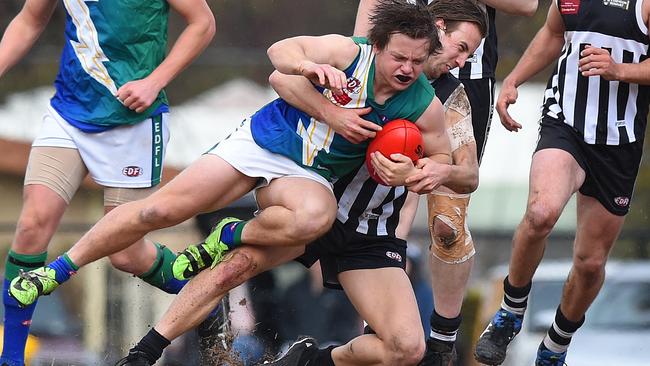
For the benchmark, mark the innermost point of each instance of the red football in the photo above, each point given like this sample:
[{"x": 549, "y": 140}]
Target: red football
[{"x": 398, "y": 136}]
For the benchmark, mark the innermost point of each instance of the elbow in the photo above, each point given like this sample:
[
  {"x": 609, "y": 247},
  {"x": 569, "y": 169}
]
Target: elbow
[
  {"x": 529, "y": 8},
  {"x": 274, "y": 50},
  {"x": 473, "y": 184},
  {"x": 275, "y": 80},
  {"x": 210, "y": 27}
]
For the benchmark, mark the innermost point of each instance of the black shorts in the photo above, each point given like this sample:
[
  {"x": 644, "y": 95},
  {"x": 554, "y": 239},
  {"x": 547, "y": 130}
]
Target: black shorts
[
  {"x": 480, "y": 93},
  {"x": 343, "y": 249},
  {"x": 611, "y": 170}
]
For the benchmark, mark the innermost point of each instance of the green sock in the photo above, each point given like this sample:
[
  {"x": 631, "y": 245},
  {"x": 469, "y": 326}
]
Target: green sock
[
  {"x": 27, "y": 262},
  {"x": 69, "y": 261},
  {"x": 160, "y": 274}
]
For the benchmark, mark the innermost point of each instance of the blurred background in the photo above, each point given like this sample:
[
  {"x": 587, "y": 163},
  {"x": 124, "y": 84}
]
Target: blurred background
[{"x": 96, "y": 317}]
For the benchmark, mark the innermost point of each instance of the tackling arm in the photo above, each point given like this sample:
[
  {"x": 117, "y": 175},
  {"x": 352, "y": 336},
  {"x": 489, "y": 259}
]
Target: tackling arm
[{"x": 300, "y": 93}]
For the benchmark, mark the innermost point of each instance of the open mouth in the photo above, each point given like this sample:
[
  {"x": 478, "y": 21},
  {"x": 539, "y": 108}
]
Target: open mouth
[{"x": 403, "y": 78}]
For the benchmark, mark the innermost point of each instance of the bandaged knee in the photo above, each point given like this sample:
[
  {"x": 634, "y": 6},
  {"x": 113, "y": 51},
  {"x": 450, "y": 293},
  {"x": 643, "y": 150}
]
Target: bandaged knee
[{"x": 451, "y": 240}]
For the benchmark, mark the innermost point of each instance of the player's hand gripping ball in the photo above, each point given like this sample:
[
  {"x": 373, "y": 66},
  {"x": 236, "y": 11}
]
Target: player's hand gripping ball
[{"x": 398, "y": 136}]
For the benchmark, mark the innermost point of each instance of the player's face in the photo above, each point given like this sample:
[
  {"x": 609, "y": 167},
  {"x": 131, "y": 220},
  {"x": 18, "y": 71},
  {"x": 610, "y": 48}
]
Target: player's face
[
  {"x": 457, "y": 46},
  {"x": 401, "y": 62}
]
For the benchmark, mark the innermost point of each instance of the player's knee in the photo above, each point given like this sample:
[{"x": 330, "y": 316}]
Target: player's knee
[
  {"x": 31, "y": 228},
  {"x": 540, "y": 217},
  {"x": 589, "y": 267},
  {"x": 406, "y": 349},
  {"x": 237, "y": 267},
  {"x": 155, "y": 215},
  {"x": 444, "y": 233},
  {"x": 312, "y": 222},
  {"x": 123, "y": 262}
]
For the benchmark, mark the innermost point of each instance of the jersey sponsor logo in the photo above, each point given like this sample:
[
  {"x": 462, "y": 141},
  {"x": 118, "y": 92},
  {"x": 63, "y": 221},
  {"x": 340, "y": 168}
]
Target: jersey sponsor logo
[
  {"x": 132, "y": 171},
  {"x": 621, "y": 4},
  {"x": 353, "y": 87},
  {"x": 622, "y": 201},
  {"x": 394, "y": 256},
  {"x": 570, "y": 7}
]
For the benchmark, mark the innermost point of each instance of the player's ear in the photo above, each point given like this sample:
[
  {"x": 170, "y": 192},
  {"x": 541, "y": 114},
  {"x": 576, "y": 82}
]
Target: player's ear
[{"x": 440, "y": 23}]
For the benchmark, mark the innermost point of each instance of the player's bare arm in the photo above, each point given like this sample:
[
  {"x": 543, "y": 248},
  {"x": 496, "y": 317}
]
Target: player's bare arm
[
  {"x": 300, "y": 93},
  {"x": 138, "y": 95},
  {"x": 514, "y": 7},
  {"x": 595, "y": 61},
  {"x": 543, "y": 50},
  {"x": 23, "y": 31},
  {"x": 319, "y": 59}
]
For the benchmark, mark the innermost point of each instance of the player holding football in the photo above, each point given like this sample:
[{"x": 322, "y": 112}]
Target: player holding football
[
  {"x": 368, "y": 226},
  {"x": 282, "y": 147},
  {"x": 365, "y": 230}
]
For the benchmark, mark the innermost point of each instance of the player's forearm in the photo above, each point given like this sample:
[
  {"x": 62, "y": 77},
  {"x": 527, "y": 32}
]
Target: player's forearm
[
  {"x": 18, "y": 39},
  {"x": 634, "y": 73},
  {"x": 514, "y": 7},
  {"x": 362, "y": 22},
  {"x": 300, "y": 93},
  {"x": 462, "y": 178},
  {"x": 189, "y": 45},
  {"x": 542, "y": 51}
]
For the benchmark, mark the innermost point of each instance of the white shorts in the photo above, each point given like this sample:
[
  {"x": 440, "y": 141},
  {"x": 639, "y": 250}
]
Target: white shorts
[
  {"x": 126, "y": 156},
  {"x": 240, "y": 150}
]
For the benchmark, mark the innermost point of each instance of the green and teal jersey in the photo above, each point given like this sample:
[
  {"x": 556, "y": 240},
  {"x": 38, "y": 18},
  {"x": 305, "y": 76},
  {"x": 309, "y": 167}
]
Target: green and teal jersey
[
  {"x": 108, "y": 43},
  {"x": 286, "y": 130}
]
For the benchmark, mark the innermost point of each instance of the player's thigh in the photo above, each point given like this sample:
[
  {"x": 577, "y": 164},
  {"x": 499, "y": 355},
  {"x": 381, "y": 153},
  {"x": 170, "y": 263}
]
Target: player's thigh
[
  {"x": 209, "y": 183},
  {"x": 385, "y": 299},
  {"x": 597, "y": 229},
  {"x": 555, "y": 176},
  {"x": 299, "y": 194}
]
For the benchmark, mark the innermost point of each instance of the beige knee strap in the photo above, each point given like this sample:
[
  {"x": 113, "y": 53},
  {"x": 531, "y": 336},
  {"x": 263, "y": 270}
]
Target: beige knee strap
[{"x": 450, "y": 209}]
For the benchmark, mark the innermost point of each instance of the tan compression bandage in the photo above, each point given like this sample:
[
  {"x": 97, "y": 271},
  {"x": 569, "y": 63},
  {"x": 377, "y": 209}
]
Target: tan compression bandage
[
  {"x": 58, "y": 168},
  {"x": 449, "y": 210},
  {"x": 115, "y": 196},
  {"x": 458, "y": 119}
]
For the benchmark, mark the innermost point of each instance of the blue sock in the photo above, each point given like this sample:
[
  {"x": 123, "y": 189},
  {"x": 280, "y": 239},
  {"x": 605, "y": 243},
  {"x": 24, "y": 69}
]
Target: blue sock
[
  {"x": 64, "y": 268},
  {"x": 17, "y": 320},
  {"x": 231, "y": 234},
  {"x": 173, "y": 286}
]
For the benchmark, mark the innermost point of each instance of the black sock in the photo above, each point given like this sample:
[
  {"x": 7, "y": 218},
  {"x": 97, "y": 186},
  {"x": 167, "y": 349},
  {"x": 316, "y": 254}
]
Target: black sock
[
  {"x": 152, "y": 345},
  {"x": 515, "y": 299},
  {"x": 559, "y": 334},
  {"x": 324, "y": 357},
  {"x": 444, "y": 329}
]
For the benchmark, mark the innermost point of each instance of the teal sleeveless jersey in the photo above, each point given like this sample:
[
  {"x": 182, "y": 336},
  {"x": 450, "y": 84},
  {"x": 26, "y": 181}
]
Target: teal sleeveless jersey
[
  {"x": 108, "y": 43},
  {"x": 286, "y": 130}
]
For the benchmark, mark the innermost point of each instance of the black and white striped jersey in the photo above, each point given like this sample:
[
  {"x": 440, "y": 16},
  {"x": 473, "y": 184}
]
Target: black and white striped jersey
[
  {"x": 483, "y": 62},
  {"x": 604, "y": 112},
  {"x": 368, "y": 207}
]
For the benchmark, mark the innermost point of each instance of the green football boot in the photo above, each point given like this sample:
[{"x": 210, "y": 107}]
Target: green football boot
[
  {"x": 198, "y": 257},
  {"x": 28, "y": 286}
]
